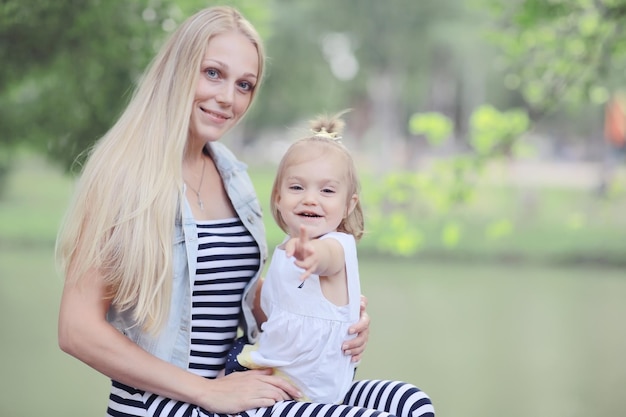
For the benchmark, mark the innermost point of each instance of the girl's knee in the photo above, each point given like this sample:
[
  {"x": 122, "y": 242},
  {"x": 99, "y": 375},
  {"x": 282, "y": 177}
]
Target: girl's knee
[{"x": 423, "y": 405}]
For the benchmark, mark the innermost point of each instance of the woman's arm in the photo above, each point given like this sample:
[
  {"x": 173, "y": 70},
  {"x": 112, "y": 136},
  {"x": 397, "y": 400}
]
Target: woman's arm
[
  {"x": 257, "y": 311},
  {"x": 85, "y": 334},
  {"x": 355, "y": 347}
]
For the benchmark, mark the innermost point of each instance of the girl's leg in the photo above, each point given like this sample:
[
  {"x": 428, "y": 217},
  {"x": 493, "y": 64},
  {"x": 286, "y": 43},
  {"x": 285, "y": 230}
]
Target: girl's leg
[
  {"x": 393, "y": 397},
  {"x": 364, "y": 399},
  {"x": 303, "y": 409}
]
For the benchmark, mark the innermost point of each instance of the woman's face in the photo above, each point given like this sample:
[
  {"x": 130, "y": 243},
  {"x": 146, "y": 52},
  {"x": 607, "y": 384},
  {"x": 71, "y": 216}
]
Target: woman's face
[{"x": 228, "y": 76}]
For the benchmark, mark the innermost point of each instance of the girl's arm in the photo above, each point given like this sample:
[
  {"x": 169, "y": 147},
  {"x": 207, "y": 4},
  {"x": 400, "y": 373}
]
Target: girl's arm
[
  {"x": 85, "y": 334},
  {"x": 324, "y": 257}
]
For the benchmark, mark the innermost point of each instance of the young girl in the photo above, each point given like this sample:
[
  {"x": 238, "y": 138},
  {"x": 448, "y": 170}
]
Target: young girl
[{"x": 311, "y": 292}]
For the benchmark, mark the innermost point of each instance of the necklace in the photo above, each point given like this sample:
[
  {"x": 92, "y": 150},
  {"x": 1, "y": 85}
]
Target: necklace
[{"x": 200, "y": 203}]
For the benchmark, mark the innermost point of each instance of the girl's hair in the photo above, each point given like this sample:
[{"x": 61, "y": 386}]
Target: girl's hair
[
  {"x": 326, "y": 137},
  {"x": 122, "y": 217}
]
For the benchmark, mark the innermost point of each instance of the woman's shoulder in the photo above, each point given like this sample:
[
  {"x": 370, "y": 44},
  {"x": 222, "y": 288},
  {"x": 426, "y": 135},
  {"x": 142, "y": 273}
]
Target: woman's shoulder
[
  {"x": 224, "y": 157},
  {"x": 219, "y": 149}
]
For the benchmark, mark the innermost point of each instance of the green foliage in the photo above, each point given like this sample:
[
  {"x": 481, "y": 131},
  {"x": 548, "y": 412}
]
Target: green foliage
[
  {"x": 402, "y": 201},
  {"x": 561, "y": 52},
  {"x": 434, "y": 126},
  {"x": 393, "y": 46},
  {"x": 499, "y": 229},
  {"x": 69, "y": 67},
  {"x": 451, "y": 234},
  {"x": 72, "y": 65},
  {"x": 494, "y": 132}
]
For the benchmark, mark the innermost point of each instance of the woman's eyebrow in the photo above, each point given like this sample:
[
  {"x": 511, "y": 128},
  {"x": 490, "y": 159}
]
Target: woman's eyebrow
[{"x": 221, "y": 64}]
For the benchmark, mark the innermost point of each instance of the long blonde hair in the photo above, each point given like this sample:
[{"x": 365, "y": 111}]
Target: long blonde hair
[
  {"x": 325, "y": 137},
  {"x": 121, "y": 220}
]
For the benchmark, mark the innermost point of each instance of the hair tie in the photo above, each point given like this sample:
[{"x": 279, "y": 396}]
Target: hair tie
[{"x": 323, "y": 133}]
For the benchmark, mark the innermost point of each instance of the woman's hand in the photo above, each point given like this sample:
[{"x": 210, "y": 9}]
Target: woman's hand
[
  {"x": 355, "y": 347},
  {"x": 240, "y": 391}
]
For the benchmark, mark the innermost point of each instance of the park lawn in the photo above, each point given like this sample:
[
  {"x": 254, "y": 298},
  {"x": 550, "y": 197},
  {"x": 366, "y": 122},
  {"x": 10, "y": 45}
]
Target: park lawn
[{"x": 481, "y": 339}]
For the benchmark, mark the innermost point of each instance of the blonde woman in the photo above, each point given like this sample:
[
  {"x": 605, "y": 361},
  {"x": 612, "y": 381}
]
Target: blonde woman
[{"x": 163, "y": 243}]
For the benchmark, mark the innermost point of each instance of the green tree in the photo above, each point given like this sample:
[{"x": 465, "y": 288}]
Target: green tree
[
  {"x": 561, "y": 52},
  {"x": 69, "y": 66},
  {"x": 386, "y": 60}
]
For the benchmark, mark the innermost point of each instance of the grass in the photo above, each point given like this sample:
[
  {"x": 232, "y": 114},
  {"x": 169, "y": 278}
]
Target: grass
[
  {"x": 483, "y": 339},
  {"x": 494, "y": 340}
]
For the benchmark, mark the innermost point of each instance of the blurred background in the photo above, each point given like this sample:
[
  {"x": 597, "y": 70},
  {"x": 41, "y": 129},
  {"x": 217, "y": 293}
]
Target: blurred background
[{"x": 490, "y": 138}]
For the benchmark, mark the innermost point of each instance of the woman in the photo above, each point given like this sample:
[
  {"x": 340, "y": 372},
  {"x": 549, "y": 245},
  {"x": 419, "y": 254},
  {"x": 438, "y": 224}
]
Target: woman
[{"x": 163, "y": 244}]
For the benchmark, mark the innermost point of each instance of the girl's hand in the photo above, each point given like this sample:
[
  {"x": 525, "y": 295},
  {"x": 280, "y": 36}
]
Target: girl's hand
[
  {"x": 355, "y": 347},
  {"x": 302, "y": 249}
]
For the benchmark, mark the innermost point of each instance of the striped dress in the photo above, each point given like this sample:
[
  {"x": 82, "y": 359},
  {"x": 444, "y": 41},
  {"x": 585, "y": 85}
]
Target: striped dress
[{"x": 228, "y": 257}]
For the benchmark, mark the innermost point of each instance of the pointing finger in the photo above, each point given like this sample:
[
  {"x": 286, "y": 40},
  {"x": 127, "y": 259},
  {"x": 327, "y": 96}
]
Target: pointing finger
[{"x": 304, "y": 235}]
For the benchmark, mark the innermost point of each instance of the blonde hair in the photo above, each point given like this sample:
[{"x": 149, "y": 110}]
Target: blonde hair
[
  {"x": 326, "y": 137},
  {"x": 122, "y": 217}
]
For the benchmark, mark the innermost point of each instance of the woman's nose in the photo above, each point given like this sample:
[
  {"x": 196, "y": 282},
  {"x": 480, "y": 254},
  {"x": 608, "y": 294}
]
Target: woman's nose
[{"x": 225, "y": 96}]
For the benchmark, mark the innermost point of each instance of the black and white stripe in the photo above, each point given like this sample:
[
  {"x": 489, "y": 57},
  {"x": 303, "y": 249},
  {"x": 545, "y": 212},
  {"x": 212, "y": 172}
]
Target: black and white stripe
[
  {"x": 228, "y": 257},
  {"x": 371, "y": 398}
]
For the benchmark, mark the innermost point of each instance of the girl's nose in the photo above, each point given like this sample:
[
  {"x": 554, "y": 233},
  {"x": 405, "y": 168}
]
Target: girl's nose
[{"x": 309, "y": 198}]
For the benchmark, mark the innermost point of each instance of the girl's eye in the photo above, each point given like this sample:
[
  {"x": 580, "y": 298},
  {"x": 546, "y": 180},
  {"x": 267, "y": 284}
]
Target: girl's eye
[
  {"x": 295, "y": 187},
  {"x": 212, "y": 73},
  {"x": 328, "y": 191}
]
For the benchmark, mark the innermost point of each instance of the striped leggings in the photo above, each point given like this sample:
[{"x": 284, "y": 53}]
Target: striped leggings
[{"x": 366, "y": 398}]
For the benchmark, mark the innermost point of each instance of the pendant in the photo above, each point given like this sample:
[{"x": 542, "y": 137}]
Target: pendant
[{"x": 200, "y": 203}]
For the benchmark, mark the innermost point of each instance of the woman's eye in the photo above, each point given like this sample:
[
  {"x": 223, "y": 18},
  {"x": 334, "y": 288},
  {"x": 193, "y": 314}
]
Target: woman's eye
[
  {"x": 212, "y": 73},
  {"x": 246, "y": 86}
]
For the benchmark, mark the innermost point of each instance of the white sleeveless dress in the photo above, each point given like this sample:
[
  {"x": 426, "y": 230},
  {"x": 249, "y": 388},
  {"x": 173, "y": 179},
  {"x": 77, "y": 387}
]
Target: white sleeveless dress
[{"x": 303, "y": 335}]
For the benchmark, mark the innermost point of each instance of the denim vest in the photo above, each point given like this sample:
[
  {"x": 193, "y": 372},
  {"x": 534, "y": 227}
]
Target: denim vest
[{"x": 173, "y": 341}]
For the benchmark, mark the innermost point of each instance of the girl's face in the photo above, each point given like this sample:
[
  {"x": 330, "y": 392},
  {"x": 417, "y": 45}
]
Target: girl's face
[
  {"x": 228, "y": 75},
  {"x": 314, "y": 193}
]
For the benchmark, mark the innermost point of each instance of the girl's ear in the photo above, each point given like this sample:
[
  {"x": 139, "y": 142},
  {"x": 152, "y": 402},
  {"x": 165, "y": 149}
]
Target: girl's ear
[{"x": 351, "y": 204}]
